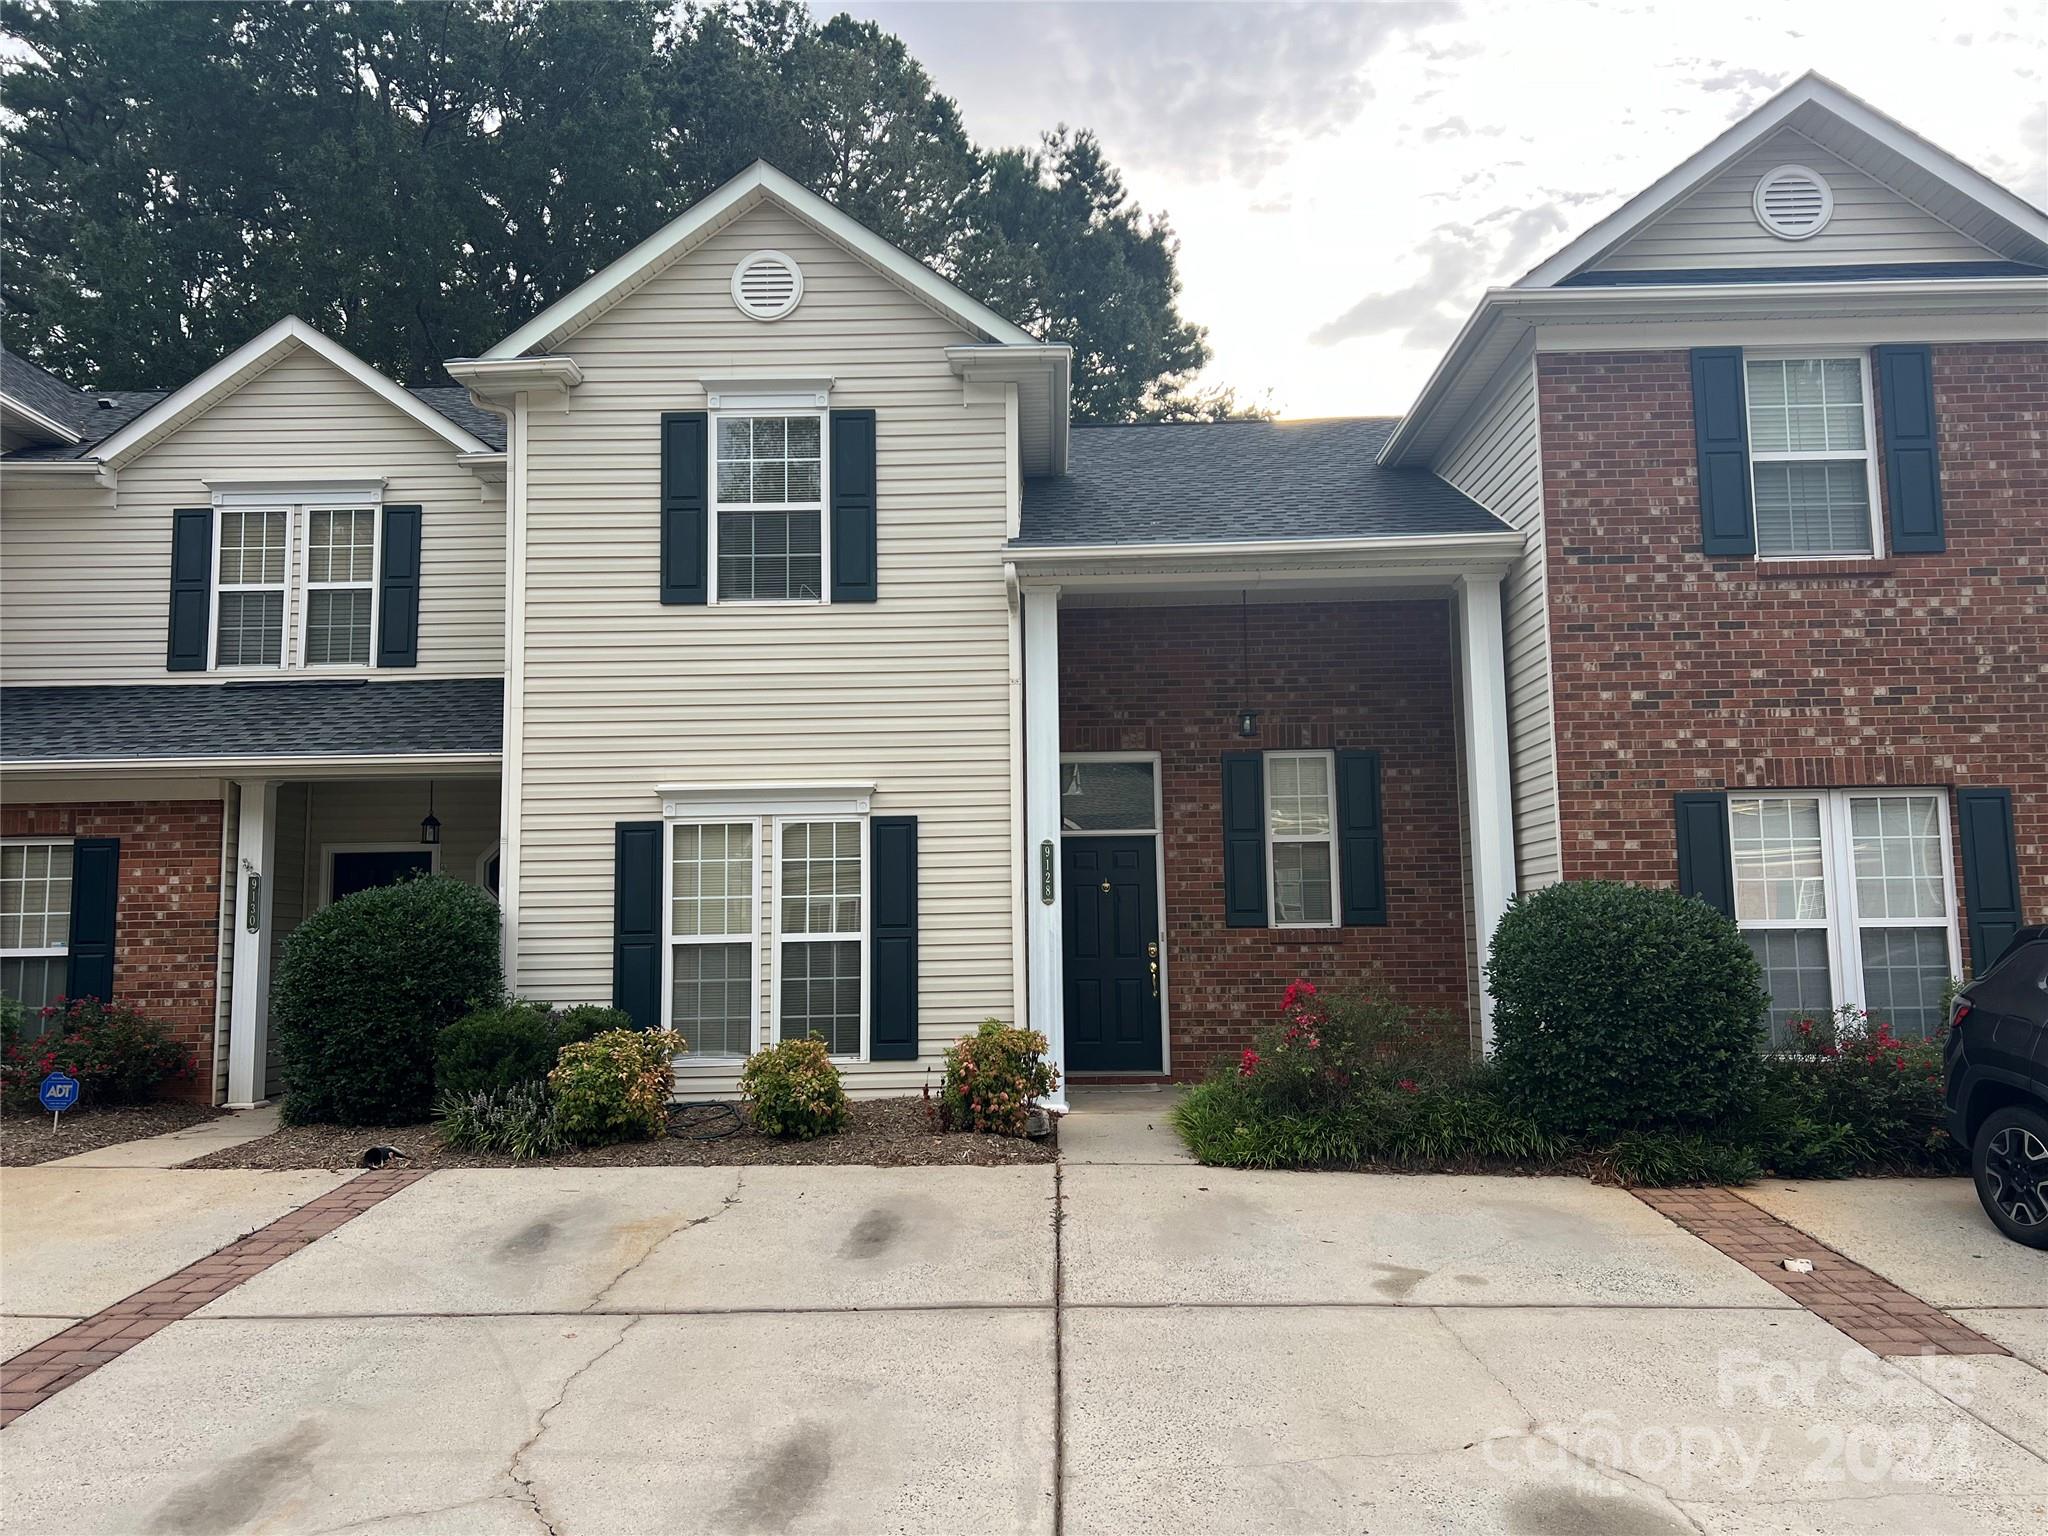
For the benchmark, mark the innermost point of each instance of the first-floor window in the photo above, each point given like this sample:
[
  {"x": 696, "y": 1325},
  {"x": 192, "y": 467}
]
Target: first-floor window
[
  {"x": 1846, "y": 897},
  {"x": 712, "y": 881},
  {"x": 35, "y": 921},
  {"x": 821, "y": 934},
  {"x": 1301, "y": 834}
]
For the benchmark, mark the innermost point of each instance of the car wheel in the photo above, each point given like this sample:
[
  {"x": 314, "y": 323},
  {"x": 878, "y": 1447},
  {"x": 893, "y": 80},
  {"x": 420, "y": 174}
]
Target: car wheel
[{"x": 2010, "y": 1164}]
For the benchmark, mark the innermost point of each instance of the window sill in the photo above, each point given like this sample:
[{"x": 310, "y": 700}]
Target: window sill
[{"x": 1806, "y": 570}]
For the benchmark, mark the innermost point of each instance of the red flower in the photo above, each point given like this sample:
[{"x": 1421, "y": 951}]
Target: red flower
[
  {"x": 1408, "y": 1085},
  {"x": 1248, "y": 1064}
]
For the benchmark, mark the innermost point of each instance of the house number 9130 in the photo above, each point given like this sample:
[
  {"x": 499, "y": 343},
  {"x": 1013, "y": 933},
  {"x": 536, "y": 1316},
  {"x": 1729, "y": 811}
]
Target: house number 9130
[{"x": 1045, "y": 872}]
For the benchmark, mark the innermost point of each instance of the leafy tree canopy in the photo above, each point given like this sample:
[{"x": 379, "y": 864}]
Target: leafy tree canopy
[{"x": 418, "y": 179}]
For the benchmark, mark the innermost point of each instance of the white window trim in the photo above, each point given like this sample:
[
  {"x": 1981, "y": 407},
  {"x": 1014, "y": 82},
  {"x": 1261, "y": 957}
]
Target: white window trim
[
  {"x": 823, "y": 508},
  {"x": 298, "y": 501},
  {"x": 47, "y": 951},
  {"x": 1331, "y": 840},
  {"x": 329, "y": 850},
  {"x": 1867, "y": 458},
  {"x": 1152, "y": 760},
  {"x": 690, "y": 1059},
  {"x": 483, "y": 868},
  {"x": 1838, "y": 881},
  {"x": 866, "y": 923}
]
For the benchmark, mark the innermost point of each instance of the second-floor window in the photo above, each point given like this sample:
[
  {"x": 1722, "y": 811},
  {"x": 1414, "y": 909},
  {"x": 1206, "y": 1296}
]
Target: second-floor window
[
  {"x": 1809, "y": 447},
  {"x": 1301, "y": 837},
  {"x": 768, "y": 505},
  {"x": 294, "y": 585}
]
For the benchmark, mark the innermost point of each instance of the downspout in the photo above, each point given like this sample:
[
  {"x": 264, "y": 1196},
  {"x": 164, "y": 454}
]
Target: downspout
[{"x": 512, "y": 745}]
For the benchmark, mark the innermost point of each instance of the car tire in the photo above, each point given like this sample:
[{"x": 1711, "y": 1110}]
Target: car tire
[{"x": 2009, "y": 1162}]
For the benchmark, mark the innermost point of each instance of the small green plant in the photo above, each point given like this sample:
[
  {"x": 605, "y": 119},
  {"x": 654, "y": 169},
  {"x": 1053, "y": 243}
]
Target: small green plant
[
  {"x": 364, "y": 990},
  {"x": 1659, "y": 1158},
  {"x": 519, "y": 1119},
  {"x": 1625, "y": 1008},
  {"x": 792, "y": 1090},
  {"x": 615, "y": 1086},
  {"x": 118, "y": 1055},
  {"x": 1849, "y": 1096},
  {"x": 993, "y": 1077},
  {"x": 514, "y": 1042}
]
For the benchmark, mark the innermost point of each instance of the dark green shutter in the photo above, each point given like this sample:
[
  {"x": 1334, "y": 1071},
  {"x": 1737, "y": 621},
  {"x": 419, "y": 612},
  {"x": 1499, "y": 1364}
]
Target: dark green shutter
[
  {"x": 1912, "y": 458},
  {"x": 1361, "y": 839},
  {"x": 636, "y": 921},
  {"x": 191, "y": 588},
  {"x": 1244, "y": 840},
  {"x": 1706, "y": 866},
  {"x": 95, "y": 885},
  {"x": 398, "y": 590},
  {"x": 685, "y": 514},
  {"x": 892, "y": 897},
  {"x": 853, "y": 507},
  {"x": 1991, "y": 873},
  {"x": 1721, "y": 435}
]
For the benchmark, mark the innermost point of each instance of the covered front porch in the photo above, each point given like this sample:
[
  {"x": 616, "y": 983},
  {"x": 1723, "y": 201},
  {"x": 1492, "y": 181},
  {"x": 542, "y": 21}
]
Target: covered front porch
[{"x": 1248, "y": 764}]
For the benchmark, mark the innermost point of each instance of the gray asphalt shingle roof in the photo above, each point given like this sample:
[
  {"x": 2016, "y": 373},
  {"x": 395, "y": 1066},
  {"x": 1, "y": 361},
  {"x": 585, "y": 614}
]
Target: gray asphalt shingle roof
[
  {"x": 1200, "y": 482},
  {"x": 344, "y": 717}
]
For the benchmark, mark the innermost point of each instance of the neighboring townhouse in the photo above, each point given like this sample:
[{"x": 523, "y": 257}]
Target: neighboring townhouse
[{"x": 755, "y": 627}]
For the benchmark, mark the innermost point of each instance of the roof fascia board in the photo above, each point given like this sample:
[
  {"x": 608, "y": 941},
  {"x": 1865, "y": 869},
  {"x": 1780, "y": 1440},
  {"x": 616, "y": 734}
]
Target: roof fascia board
[
  {"x": 1022, "y": 555},
  {"x": 1011, "y": 363},
  {"x": 1740, "y": 137},
  {"x": 495, "y": 382},
  {"x": 171, "y": 412},
  {"x": 759, "y": 180},
  {"x": 89, "y": 471},
  {"x": 1525, "y": 307},
  {"x": 49, "y": 426},
  {"x": 309, "y": 766}
]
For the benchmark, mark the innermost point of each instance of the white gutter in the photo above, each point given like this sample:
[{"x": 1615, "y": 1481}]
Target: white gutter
[
  {"x": 48, "y": 425},
  {"x": 1505, "y": 541},
  {"x": 306, "y": 766}
]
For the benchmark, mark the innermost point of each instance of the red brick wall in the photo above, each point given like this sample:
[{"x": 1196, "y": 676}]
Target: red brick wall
[
  {"x": 1326, "y": 675},
  {"x": 1674, "y": 671},
  {"x": 167, "y": 911}
]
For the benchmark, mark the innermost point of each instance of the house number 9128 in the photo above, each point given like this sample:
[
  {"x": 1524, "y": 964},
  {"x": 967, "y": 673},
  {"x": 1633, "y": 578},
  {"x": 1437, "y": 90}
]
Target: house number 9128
[{"x": 1045, "y": 872}]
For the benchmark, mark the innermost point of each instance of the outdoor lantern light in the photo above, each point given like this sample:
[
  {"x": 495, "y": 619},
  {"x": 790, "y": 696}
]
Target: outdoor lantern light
[
  {"x": 1248, "y": 723},
  {"x": 430, "y": 829}
]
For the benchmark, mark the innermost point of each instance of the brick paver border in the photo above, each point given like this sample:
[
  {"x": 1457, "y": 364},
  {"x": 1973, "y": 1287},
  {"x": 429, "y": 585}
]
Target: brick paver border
[
  {"x": 43, "y": 1370},
  {"x": 1867, "y": 1307}
]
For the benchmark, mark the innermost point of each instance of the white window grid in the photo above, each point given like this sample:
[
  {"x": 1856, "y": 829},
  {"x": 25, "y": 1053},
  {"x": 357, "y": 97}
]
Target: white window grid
[
  {"x": 837, "y": 934},
  {"x": 296, "y": 605},
  {"x": 243, "y": 520},
  {"x": 1866, "y": 456},
  {"x": 1834, "y": 906},
  {"x": 749, "y": 936},
  {"x": 817, "y": 505},
  {"x": 1276, "y": 839},
  {"x": 362, "y": 555},
  {"x": 35, "y": 898}
]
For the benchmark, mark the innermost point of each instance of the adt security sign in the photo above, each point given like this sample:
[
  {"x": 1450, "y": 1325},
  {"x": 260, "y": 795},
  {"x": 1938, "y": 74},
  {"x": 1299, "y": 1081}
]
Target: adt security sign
[{"x": 58, "y": 1093}]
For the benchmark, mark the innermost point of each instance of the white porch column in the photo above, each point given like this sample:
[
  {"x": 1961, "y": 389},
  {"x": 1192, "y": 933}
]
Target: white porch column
[
  {"x": 1042, "y": 823},
  {"x": 1489, "y": 793},
  {"x": 249, "y": 1016}
]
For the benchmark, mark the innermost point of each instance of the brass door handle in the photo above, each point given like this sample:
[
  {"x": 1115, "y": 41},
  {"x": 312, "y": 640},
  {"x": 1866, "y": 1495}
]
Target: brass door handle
[{"x": 1153, "y": 966}]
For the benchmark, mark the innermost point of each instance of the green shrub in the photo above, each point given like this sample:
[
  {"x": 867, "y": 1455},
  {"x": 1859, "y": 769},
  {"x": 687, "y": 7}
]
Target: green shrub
[
  {"x": 514, "y": 1042},
  {"x": 1850, "y": 1097},
  {"x": 364, "y": 990},
  {"x": 517, "y": 1118},
  {"x": 1624, "y": 1008},
  {"x": 993, "y": 1077},
  {"x": 792, "y": 1090},
  {"x": 117, "y": 1055},
  {"x": 1660, "y": 1158},
  {"x": 614, "y": 1086}
]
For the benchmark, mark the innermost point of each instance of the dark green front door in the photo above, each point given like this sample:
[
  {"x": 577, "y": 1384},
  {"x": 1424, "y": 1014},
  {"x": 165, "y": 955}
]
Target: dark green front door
[
  {"x": 1111, "y": 911},
  {"x": 360, "y": 870}
]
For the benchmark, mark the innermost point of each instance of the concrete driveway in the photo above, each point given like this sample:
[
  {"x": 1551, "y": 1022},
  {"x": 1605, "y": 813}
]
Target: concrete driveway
[{"x": 929, "y": 1350}]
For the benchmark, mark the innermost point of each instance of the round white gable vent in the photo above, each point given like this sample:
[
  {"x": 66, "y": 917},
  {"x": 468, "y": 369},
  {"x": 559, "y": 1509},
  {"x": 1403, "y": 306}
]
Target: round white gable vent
[
  {"x": 1794, "y": 202},
  {"x": 767, "y": 285}
]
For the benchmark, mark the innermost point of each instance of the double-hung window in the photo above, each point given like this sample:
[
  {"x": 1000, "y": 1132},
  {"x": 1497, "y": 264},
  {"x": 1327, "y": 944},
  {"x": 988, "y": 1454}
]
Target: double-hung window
[
  {"x": 768, "y": 508},
  {"x": 35, "y": 920},
  {"x": 821, "y": 933},
  {"x": 1810, "y": 435},
  {"x": 713, "y": 877},
  {"x": 1847, "y": 898},
  {"x": 1301, "y": 838},
  {"x": 295, "y": 582}
]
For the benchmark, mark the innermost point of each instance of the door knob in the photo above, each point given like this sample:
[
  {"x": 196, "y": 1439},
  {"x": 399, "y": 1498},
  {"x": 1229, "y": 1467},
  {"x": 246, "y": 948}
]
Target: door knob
[
  {"x": 1152, "y": 949},
  {"x": 1105, "y": 887},
  {"x": 1153, "y": 967}
]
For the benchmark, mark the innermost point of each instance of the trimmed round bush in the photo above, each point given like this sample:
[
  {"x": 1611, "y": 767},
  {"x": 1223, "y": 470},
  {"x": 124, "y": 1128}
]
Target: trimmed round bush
[
  {"x": 615, "y": 1086},
  {"x": 793, "y": 1091},
  {"x": 1622, "y": 1008},
  {"x": 364, "y": 990},
  {"x": 993, "y": 1077},
  {"x": 515, "y": 1042}
]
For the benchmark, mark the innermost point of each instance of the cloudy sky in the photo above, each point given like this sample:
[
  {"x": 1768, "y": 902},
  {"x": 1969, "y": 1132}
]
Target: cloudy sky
[{"x": 1347, "y": 178}]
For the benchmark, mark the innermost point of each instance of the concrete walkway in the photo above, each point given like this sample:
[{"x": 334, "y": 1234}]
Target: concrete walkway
[
  {"x": 176, "y": 1147},
  {"x": 1120, "y": 1343}
]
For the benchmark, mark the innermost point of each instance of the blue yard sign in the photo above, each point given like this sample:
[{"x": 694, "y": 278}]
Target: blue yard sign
[{"x": 58, "y": 1093}]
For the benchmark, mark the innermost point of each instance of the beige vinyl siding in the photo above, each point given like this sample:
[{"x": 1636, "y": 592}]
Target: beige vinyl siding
[
  {"x": 85, "y": 574},
  {"x": 910, "y": 693},
  {"x": 1716, "y": 225},
  {"x": 1496, "y": 460},
  {"x": 342, "y": 812}
]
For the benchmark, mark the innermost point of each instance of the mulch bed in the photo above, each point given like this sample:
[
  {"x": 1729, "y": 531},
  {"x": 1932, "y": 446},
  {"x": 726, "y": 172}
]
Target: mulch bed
[
  {"x": 885, "y": 1133},
  {"x": 27, "y": 1137}
]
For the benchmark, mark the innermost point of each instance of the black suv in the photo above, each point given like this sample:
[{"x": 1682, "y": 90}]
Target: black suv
[{"x": 1998, "y": 1086}]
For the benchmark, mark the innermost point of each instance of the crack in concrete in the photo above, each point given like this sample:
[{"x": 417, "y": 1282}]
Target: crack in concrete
[
  {"x": 525, "y": 1493},
  {"x": 371, "y": 1522},
  {"x": 685, "y": 1225}
]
